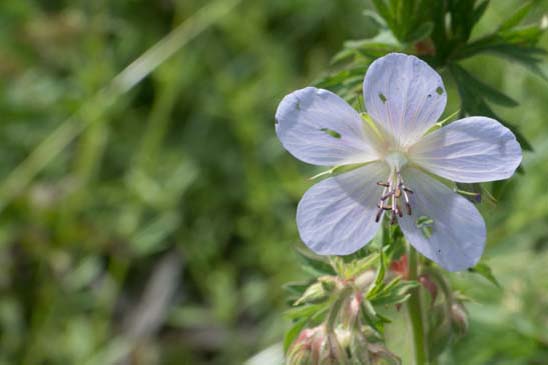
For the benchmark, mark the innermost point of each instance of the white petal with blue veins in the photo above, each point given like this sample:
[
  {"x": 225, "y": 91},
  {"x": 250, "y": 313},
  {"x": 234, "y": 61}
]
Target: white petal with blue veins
[
  {"x": 469, "y": 150},
  {"x": 337, "y": 215},
  {"x": 404, "y": 95},
  {"x": 318, "y": 127},
  {"x": 444, "y": 226}
]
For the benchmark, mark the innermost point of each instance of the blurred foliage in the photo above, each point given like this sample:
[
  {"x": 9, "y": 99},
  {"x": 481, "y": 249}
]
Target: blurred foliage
[{"x": 157, "y": 227}]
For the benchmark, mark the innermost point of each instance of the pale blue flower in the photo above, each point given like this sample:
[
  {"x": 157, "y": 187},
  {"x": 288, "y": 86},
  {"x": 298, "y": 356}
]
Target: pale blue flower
[{"x": 399, "y": 154}]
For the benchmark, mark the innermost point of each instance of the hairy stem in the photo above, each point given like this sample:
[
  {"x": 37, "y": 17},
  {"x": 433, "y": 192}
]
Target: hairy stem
[{"x": 415, "y": 313}]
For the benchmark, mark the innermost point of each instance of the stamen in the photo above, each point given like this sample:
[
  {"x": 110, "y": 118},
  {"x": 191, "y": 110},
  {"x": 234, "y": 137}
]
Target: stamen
[
  {"x": 394, "y": 189},
  {"x": 409, "y": 211},
  {"x": 378, "y": 216}
]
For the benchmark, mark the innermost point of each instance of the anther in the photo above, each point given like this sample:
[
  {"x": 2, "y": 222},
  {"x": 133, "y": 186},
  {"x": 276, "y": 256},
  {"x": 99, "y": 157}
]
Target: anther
[
  {"x": 396, "y": 190},
  {"x": 378, "y": 216}
]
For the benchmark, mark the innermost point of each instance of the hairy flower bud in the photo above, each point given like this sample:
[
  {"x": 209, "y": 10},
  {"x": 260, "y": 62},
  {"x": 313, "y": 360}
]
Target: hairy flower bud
[
  {"x": 364, "y": 280},
  {"x": 459, "y": 318},
  {"x": 307, "y": 347},
  {"x": 332, "y": 352},
  {"x": 318, "y": 291},
  {"x": 429, "y": 285},
  {"x": 381, "y": 355}
]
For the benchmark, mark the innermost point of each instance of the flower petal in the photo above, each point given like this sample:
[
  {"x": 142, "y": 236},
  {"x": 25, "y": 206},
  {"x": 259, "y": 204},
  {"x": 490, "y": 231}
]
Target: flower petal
[
  {"x": 404, "y": 95},
  {"x": 337, "y": 215},
  {"x": 469, "y": 150},
  {"x": 318, "y": 127},
  {"x": 444, "y": 226}
]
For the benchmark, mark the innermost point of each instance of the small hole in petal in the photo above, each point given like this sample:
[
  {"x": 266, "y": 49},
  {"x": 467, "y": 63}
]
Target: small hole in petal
[
  {"x": 382, "y": 97},
  {"x": 439, "y": 90},
  {"x": 429, "y": 95},
  {"x": 425, "y": 224},
  {"x": 331, "y": 132}
]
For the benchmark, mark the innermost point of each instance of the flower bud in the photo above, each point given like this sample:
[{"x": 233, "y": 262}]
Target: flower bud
[
  {"x": 318, "y": 291},
  {"x": 306, "y": 348},
  {"x": 364, "y": 280},
  {"x": 439, "y": 331},
  {"x": 381, "y": 355},
  {"x": 332, "y": 352},
  {"x": 429, "y": 285},
  {"x": 459, "y": 318},
  {"x": 359, "y": 349},
  {"x": 351, "y": 310}
]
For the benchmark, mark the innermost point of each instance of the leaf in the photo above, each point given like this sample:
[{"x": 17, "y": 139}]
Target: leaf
[
  {"x": 396, "y": 294},
  {"x": 516, "y": 17},
  {"x": 484, "y": 270},
  {"x": 384, "y": 11},
  {"x": 421, "y": 32},
  {"x": 296, "y": 287},
  {"x": 292, "y": 334},
  {"x": 305, "y": 311},
  {"x": 315, "y": 266},
  {"x": 378, "y": 283},
  {"x": 479, "y": 11},
  {"x": 487, "y": 91}
]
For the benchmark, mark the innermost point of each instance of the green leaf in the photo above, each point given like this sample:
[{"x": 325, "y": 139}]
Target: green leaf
[
  {"x": 296, "y": 287},
  {"x": 487, "y": 91},
  {"x": 479, "y": 11},
  {"x": 396, "y": 294},
  {"x": 292, "y": 334},
  {"x": 384, "y": 11},
  {"x": 484, "y": 270},
  {"x": 378, "y": 283},
  {"x": 315, "y": 266},
  {"x": 305, "y": 311},
  {"x": 516, "y": 17},
  {"x": 421, "y": 32}
]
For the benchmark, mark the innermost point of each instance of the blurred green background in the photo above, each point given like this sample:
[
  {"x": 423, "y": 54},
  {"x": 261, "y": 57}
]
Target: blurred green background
[{"x": 154, "y": 222}]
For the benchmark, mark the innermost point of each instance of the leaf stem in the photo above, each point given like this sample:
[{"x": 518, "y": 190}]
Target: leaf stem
[{"x": 414, "y": 311}]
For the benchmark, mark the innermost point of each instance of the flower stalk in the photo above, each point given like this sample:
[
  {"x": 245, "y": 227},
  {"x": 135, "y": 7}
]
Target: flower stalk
[{"x": 415, "y": 312}]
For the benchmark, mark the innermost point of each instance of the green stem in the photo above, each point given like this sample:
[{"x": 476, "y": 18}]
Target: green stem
[
  {"x": 336, "y": 308},
  {"x": 415, "y": 313}
]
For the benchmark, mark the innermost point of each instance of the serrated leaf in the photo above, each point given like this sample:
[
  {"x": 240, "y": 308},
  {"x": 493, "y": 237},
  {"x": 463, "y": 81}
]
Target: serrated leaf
[
  {"x": 484, "y": 270},
  {"x": 485, "y": 90},
  {"x": 516, "y": 17}
]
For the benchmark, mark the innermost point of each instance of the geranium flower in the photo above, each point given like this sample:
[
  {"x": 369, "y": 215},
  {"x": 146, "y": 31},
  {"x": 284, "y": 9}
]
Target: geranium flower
[{"x": 393, "y": 160}]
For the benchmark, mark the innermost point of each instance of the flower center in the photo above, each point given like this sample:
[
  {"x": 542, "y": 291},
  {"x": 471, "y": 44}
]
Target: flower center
[
  {"x": 395, "y": 193},
  {"x": 396, "y": 160}
]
